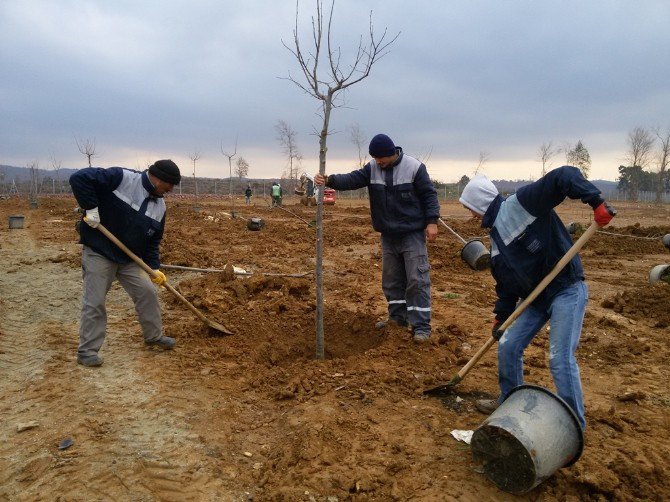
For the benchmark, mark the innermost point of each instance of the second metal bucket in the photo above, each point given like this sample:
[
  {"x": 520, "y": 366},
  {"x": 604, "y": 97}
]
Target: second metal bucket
[
  {"x": 476, "y": 254},
  {"x": 532, "y": 434},
  {"x": 16, "y": 221}
]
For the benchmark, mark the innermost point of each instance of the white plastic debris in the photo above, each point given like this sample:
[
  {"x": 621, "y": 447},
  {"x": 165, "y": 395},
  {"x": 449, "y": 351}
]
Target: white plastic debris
[{"x": 465, "y": 436}]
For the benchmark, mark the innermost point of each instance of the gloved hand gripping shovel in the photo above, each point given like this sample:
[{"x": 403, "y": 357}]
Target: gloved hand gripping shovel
[
  {"x": 446, "y": 389},
  {"x": 210, "y": 324}
]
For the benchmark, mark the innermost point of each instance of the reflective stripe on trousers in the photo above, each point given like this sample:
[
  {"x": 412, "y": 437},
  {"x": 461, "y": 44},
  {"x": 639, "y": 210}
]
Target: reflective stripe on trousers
[{"x": 406, "y": 279}]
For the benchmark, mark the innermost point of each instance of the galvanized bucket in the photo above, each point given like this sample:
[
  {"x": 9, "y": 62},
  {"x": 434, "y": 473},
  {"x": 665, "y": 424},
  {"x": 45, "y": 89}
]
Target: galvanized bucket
[
  {"x": 476, "y": 254},
  {"x": 16, "y": 221},
  {"x": 255, "y": 223},
  {"x": 532, "y": 434}
]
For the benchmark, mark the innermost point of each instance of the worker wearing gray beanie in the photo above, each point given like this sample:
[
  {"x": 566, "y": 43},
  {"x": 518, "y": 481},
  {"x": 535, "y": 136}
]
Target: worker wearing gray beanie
[{"x": 528, "y": 239}]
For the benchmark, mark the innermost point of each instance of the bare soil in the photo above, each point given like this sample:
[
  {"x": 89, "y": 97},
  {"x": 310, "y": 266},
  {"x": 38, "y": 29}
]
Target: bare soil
[{"x": 256, "y": 416}]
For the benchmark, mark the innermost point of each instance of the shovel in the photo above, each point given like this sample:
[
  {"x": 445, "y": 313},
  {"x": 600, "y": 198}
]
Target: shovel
[
  {"x": 210, "y": 324},
  {"x": 446, "y": 389}
]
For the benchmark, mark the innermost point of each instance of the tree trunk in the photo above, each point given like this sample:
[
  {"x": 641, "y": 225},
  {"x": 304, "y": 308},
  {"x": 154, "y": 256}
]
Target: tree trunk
[{"x": 323, "y": 137}]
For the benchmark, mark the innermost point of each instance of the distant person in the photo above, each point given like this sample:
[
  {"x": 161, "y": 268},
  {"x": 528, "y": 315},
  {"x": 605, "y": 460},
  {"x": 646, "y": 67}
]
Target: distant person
[
  {"x": 247, "y": 194},
  {"x": 130, "y": 205},
  {"x": 276, "y": 194},
  {"x": 405, "y": 210},
  {"x": 527, "y": 240}
]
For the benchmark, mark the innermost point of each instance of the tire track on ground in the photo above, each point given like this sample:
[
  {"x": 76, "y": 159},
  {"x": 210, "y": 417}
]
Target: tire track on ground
[{"x": 129, "y": 442}]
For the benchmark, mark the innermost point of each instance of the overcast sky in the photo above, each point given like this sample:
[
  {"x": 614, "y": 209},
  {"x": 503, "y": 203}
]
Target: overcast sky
[{"x": 164, "y": 79}]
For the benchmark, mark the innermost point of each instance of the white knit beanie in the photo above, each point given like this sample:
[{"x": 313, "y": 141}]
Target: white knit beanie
[{"x": 478, "y": 194}]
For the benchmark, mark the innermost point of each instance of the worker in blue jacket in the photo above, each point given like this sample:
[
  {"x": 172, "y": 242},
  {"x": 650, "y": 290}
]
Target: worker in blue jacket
[
  {"x": 130, "y": 205},
  {"x": 405, "y": 210},
  {"x": 527, "y": 240}
]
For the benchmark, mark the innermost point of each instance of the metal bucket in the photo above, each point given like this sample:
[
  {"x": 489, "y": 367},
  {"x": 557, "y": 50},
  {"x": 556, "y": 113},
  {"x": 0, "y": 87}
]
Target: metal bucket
[
  {"x": 573, "y": 227},
  {"x": 255, "y": 223},
  {"x": 16, "y": 221},
  {"x": 666, "y": 240},
  {"x": 659, "y": 273},
  {"x": 530, "y": 436},
  {"x": 475, "y": 254}
]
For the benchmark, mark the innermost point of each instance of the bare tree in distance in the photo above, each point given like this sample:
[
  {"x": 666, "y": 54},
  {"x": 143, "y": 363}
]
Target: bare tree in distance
[
  {"x": 425, "y": 157},
  {"x": 358, "y": 138},
  {"x": 483, "y": 159},
  {"x": 86, "y": 147},
  {"x": 56, "y": 165},
  {"x": 546, "y": 152},
  {"x": 287, "y": 140},
  {"x": 663, "y": 159},
  {"x": 230, "y": 172},
  {"x": 579, "y": 157},
  {"x": 241, "y": 168},
  {"x": 325, "y": 75},
  {"x": 195, "y": 156},
  {"x": 640, "y": 147},
  {"x": 34, "y": 168}
]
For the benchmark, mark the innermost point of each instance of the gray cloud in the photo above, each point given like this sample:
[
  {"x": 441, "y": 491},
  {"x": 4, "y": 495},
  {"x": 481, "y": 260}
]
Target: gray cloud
[{"x": 165, "y": 78}]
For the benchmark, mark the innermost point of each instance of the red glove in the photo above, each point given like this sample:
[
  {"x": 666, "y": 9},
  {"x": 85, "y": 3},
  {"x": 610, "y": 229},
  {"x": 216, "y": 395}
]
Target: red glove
[{"x": 603, "y": 214}]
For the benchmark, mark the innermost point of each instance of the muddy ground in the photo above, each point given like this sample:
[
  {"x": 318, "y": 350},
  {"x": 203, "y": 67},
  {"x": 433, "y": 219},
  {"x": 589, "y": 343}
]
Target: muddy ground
[{"x": 255, "y": 416}]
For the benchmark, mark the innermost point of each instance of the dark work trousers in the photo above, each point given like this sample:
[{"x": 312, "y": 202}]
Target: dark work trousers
[
  {"x": 99, "y": 273},
  {"x": 406, "y": 279}
]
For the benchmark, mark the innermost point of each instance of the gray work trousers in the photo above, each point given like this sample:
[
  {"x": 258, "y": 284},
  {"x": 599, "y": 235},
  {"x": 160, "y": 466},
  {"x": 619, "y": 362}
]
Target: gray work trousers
[
  {"x": 406, "y": 279},
  {"x": 98, "y": 274}
]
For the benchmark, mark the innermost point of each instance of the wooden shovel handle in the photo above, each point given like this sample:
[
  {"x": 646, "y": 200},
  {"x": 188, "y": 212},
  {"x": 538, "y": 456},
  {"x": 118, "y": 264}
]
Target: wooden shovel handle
[
  {"x": 569, "y": 255},
  {"x": 150, "y": 271}
]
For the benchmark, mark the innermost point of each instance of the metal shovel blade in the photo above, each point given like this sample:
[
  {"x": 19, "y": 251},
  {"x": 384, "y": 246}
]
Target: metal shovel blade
[{"x": 211, "y": 324}]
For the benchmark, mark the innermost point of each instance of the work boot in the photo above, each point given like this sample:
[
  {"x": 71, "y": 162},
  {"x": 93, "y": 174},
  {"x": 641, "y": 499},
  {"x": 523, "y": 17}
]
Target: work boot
[
  {"x": 90, "y": 361},
  {"x": 398, "y": 322},
  {"x": 487, "y": 406},
  {"x": 164, "y": 342},
  {"x": 421, "y": 337}
]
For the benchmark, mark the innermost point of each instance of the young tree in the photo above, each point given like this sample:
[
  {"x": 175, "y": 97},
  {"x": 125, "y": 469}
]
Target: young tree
[
  {"x": 56, "y": 164},
  {"x": 241, "y": 168},
  {"x": 86, "y": 147},
  {"x": 357, "y": 137},
  {"x": 579, "y": 157},
  {"x": 325, "y": 76},
  {"x": 34, "y": 168},
  {"x": 194, "y": 157},
  {"x": 483, "y": 159},
  {"x": 287, "y": 140},
  {"x": 663, "y": 158},
  {"x": 546, "y": 152},
  {"x": 230, "y": 172}
]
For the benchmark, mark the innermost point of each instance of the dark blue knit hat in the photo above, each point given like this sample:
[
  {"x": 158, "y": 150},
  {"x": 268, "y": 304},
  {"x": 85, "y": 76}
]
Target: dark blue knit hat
[
  {"x": 166, "y": 170},
  {"x": 381, "y": 146}
]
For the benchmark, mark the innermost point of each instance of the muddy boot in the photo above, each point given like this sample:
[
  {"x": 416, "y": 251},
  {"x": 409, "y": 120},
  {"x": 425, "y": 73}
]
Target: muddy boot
[
  {"x": 386, "y": 322},
  {"x": 164, "y": 342},
  {"x": 90, "y": 361},
  {"x": 486, "y": 406},
  {"x": 421, "y": 337}
]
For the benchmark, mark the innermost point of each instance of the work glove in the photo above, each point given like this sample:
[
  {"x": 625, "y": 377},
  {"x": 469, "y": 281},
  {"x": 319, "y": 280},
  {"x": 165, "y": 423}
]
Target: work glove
[
  {"x": 603, "y": 214},
  {"x": 495, "y": 329},
  {"x": 158, "y": 278},
  {"x": 92, "y": 217}
]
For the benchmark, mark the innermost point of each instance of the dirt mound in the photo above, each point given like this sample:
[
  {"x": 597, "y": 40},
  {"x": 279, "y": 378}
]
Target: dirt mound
[{"x": 256, "y": 415}]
